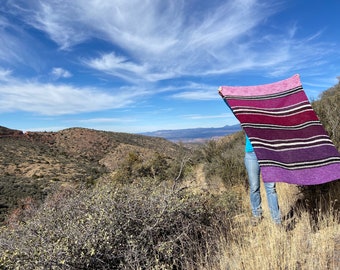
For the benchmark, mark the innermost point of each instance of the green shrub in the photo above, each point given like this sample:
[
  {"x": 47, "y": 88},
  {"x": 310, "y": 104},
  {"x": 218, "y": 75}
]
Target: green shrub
[
  {"x": 318, "y": 199},
  {"x": 328, "y": 111},
  {"x": 224, "y": 159},
  {"x": 159, "y": 167},
  {"x": 136, "y": 226}
]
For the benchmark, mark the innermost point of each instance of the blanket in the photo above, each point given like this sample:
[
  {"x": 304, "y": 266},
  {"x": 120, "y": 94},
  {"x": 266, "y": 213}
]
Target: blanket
[{"x": 288, "y": 139}]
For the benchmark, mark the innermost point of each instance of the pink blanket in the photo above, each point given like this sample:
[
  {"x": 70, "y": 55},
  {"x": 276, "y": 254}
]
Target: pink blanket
[{"x": 288, "y": 138}]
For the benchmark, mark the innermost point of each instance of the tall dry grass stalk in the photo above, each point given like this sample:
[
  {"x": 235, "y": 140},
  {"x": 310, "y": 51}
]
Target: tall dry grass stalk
[{"x": 267, "y": 246}]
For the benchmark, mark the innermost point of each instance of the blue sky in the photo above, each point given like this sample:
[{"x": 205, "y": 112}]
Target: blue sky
[{"x": 137, "y": 66}]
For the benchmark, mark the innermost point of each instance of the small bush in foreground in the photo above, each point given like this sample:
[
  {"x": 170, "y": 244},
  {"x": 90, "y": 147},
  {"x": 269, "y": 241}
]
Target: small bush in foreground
[{"x": 137, "y": 226}]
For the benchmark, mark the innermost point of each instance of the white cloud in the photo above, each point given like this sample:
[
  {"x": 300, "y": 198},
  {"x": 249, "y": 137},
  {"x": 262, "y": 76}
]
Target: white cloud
[
  {"x": 107, "y": 120},
  {"x": 126, "y": 69},
  {"x": 5, "y": 74},
  {"x": 16, "y": 46},
  {"x": 157, "y": 40},
  {"x": 194, "y": 91},
  {"x": 10, "y": 46},
  {"x": 48, "y": 99},
  {"x": 160, "y": 39},
  {"x": 60, "y": 73},
  {"x": 115, "y": 65},
  {"x": 197, "y": 95},
  {"x": 199, "y": 117}
]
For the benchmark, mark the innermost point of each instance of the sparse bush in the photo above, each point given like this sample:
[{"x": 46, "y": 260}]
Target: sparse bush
[
  {"x": 319, "y": 199},
  {"x": 132, "y": 168},
  {"x": 224, "y": 159},
  {"x": 159, "y": 167},
  {"x": 328, "y": 111},
  {"x": 136, "y": 226}
]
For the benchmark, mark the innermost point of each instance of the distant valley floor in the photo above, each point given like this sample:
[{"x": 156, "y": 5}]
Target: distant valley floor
[{"x": 194, "y": 135}]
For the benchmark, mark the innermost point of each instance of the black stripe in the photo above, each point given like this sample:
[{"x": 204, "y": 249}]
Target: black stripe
[
  {"x": 276, "y": 109},
  {"x": 293, "y": 140},
  {"x": 291, "y": 143},
  {"x": 293, "y": 147},
  {"x": 301, "y": 165},
  {"x": 271, "y": 113}
]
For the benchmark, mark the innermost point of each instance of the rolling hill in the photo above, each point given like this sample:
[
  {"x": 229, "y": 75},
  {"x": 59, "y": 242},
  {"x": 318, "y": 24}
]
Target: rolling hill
[{"x": 33, "y": 164}]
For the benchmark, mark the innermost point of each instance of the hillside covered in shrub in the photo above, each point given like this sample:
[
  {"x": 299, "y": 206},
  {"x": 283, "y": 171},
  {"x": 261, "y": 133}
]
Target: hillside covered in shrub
[
  {"x": 34, "y": 164},
  {"x": 132, "y": 202}
]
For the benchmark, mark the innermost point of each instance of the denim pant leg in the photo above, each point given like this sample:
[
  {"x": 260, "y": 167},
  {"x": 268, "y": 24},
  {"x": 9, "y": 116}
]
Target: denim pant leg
[
  {"x": 253, "y": 171},
  {"x": 273, "y": 202}
]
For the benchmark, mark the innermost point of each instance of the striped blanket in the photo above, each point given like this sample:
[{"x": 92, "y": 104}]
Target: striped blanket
[{"x": 287, "y": 136}]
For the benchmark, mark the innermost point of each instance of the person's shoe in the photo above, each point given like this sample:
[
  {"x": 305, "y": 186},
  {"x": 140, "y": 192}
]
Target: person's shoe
[{"x": 255, "y": 220}]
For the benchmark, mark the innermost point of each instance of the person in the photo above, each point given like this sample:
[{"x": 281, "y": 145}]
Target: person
[{"x": 253, "y": 172}]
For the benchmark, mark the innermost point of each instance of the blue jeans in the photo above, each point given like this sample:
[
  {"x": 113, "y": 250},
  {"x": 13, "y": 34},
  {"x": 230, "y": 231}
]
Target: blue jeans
[{"x": 253, "y": 171}]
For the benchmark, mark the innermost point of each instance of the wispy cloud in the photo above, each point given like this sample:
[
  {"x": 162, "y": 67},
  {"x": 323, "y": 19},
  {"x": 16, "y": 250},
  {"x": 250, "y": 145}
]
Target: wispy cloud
[
  {"x": 10, "y": 45},
  {"x": 118, "y": 66},
  {"x": 107, "y": 120},
  {"x": 17, "y": 47},
  {"x": 48, "y": 99},
  {"x": 198, "y": 116},
  {"x": 157, "y": 39},
  {"x": 193, "y": 91},
  {"x": 197, "y": 95},
  {"x": 157, "y": 33},
  {"x": 5, "y": 74}
]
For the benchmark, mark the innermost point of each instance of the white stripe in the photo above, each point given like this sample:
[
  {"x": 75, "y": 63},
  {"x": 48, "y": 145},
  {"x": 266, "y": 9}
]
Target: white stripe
[
  {"x": 272, "y": 109},
  {"x": 292, "y": 114},
  {"x": 257, "y": 139},
  {"x": 268, "y": 126},
  {"x": 268, "y": 111},
  {"x": 297, "y": 147},
  {"x": 314, "y": 163},
  {"x": 255, "y": 143}
]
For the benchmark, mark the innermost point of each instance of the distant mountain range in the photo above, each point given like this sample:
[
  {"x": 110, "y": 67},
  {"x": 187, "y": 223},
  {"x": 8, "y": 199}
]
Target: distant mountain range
[{"x": 194, "y": 134}]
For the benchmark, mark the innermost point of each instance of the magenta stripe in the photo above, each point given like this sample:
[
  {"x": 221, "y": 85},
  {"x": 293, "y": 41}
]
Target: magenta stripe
[
  {"x": 287, "y": 121},
  {"x": 298, "y": 155},
  {"x": 298, "y": 107},
  {"x": 310, "y": 176},
  {"x": 279, "y": 134},
  {"x": 270, "y": 103}
]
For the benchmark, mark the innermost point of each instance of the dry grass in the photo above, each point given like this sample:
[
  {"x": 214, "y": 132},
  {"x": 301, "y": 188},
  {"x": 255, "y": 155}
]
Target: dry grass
[
  {"x": 270, "y": 247},
  {"x": 147, "y": 226}
]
